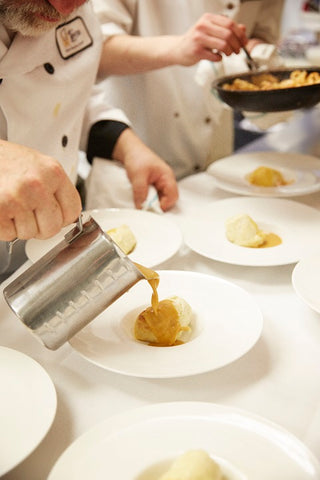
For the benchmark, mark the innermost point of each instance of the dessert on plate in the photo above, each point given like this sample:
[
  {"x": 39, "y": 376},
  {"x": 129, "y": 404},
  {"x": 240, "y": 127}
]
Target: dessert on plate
[
  {"x": 164, "y": 324},
  {"x": 266, "y": 177},
  {"x": 123, "y": 237},
  {"x": 195, "y": 465},
  {"x": 242, "y": 230}
]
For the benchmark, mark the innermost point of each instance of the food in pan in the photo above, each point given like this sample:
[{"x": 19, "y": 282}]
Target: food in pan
[
  {"x": 243, "y": 231},
  {"x": 164, "y": 323},
  {"x": 266, "y": 177},
  {"x": 195, "y": 465},
  {"x": 123, "y": 237},
  {"x": 268, "y": 81}
]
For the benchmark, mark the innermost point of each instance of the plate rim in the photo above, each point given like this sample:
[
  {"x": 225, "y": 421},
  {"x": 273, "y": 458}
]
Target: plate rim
[
  {"x": 294, "y": 275},
  {"x": 244, "y": 199},
  {"x": 28, "y": 360},
  {"x": 169, "y": 220},
  {"x": 183, "y": 374},
  {"x": 118, "y": 422},
  {"x": 224, "y": 185}
]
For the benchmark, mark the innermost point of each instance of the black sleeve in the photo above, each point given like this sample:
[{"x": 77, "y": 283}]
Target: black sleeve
[{"x": 102, "y": 138}]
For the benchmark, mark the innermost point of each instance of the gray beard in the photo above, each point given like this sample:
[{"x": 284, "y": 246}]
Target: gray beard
[{"x": 24, "y": 20}]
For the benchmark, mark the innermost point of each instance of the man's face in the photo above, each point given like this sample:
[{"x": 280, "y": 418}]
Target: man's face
[{"x": 33, "y": 17}]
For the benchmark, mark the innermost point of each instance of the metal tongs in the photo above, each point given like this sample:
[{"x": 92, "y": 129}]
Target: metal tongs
[{"x": 252, "y": 64}]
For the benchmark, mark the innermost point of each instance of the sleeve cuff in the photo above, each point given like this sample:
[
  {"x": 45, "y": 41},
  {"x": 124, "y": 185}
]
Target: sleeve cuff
[{"x": 103, "y": 137}]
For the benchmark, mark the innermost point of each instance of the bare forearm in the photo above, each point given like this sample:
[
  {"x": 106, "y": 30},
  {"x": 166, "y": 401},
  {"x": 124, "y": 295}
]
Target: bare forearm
[{"x": 126, "y": 54}]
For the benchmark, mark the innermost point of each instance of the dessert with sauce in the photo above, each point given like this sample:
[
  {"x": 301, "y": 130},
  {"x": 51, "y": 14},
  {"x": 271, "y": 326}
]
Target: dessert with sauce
[
  {"x": 266, "y": 177},
  {"x": 163, "y": 323},
  {"x": 123, "y": 237},
  {"x": 243, "y": 231},
  {"x": 195, "y": 465}
]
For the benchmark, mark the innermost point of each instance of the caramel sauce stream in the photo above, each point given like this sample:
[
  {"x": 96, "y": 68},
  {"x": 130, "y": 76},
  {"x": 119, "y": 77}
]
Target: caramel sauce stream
[
  {"x": 153, "y": 279},
  {"x": 162, "y": 317}
]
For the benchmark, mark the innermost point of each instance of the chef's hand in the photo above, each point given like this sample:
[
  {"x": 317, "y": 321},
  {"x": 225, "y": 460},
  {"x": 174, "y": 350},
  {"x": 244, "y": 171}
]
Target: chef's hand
[
  {"x": 210, "y": 36},
  {"x": 36, "y": 196},
  {"x": 207, "y": 39},
  {"x": 145, "y": 168}
]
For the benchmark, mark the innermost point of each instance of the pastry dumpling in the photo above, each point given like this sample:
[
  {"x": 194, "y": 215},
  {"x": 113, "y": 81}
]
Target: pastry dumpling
[
  {"x": 193, "y": 465},
  {"x": 266, "y": 177},
  {"x": 165, "y": 326},
  {"x": 244, "y": 231},
  {"x": 124, "y": 238}
]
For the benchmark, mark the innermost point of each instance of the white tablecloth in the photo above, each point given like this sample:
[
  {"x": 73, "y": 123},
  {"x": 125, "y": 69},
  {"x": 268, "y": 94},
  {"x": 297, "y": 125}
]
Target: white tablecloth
[{"x": 279, "y": 378}]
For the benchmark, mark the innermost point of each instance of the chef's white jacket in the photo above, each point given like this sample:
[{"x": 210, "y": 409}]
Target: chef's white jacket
[
  {"x": 46, "y": 97},
  {"x": 46, "y": 88},
  {"x": 173, "y": 109}
]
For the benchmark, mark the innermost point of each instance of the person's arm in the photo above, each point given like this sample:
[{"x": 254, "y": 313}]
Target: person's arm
[
  {"x": 206, "y": 40},
  {"x": 145, "y": 168},
  {"x": 36, "y": 196},
  {"x": 115, "y": 140}
]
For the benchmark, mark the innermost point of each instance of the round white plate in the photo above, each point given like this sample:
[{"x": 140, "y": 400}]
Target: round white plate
[
  {"x": 306, "y": 280},
  {"x": 158, "y": 237},
  {"x": 140, "y": 444},
  {"x": 28, "y": 406},
  {"x": 230, "y": 173},
  {"x": 222, "y": 331},
  {"x": 297, "y": 225}
]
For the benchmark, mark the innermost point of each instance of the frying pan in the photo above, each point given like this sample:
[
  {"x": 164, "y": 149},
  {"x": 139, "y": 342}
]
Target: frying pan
[{"x": 277, "y": 100}]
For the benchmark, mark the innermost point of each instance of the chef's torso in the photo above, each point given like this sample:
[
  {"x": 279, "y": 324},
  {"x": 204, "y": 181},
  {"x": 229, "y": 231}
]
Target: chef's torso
[
  {"x": 46, "y": 83},
  {"x": 178, "y": 118}
]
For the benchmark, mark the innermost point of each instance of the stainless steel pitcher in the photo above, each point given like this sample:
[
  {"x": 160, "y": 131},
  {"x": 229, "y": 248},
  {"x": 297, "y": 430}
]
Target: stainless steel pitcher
[{"x": 71, "y": 284}]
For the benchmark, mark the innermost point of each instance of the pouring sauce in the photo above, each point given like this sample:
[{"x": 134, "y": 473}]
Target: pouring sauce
[
  {"x": 161, "y": 318},
  {"x": 153, "y": 279}
]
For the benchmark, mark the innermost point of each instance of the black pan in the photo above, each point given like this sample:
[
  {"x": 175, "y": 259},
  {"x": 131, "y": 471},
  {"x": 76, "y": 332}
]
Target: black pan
[{"x": 269, "y": 100}]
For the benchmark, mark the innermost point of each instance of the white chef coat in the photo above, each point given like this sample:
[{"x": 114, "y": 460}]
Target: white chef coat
[
  {"x": 46, "y": 95},
  {"x": 178, "y": 117},
  {"x": 46, "y": 87}
]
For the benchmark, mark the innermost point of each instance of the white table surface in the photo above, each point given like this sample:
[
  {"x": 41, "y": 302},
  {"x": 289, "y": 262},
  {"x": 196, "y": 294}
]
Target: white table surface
[{"x": 279, "y": 378}]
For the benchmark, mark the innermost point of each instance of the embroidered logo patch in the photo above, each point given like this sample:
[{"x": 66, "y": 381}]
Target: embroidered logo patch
[{"x": 73, "y": 37}]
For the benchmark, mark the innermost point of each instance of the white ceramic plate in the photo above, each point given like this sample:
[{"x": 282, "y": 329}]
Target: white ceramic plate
[
  {"x": 297, "y": 225},
  {"x": 158, "y": 237},
  {"x": 140, "y": 444},
  {"x": 28, "y": 406},
  {"x": 222, "y": 331},
  {"x": 306, "y": 280},
  {"x": 230, "y": 173}
]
